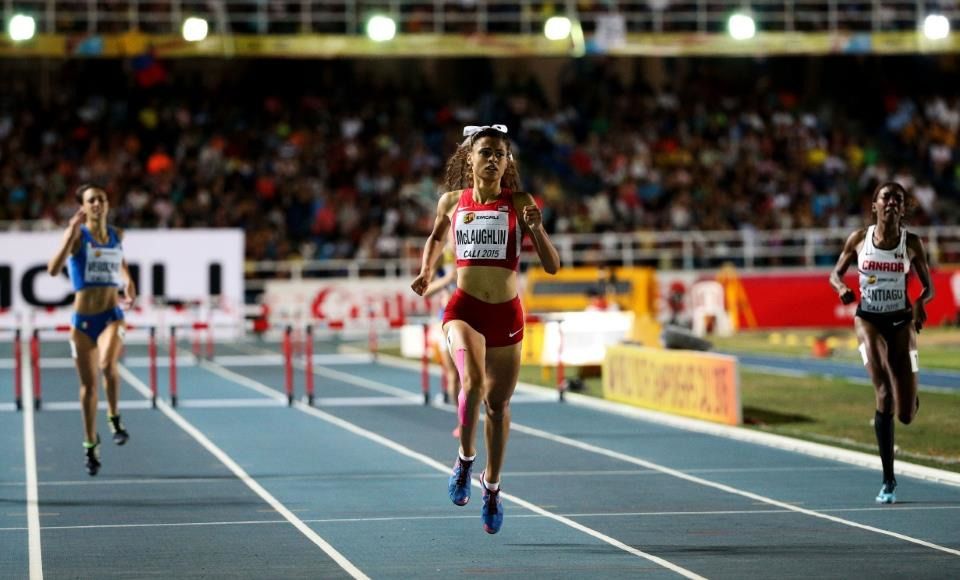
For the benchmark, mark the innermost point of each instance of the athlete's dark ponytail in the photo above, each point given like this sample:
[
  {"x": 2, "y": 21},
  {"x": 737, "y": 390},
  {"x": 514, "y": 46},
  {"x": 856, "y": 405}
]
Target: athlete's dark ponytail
[{"x": 78, "y": 193}]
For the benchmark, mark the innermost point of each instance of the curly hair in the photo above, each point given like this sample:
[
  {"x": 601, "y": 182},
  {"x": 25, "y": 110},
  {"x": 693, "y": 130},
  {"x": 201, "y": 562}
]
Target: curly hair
[{"x": 457, "y": 174}]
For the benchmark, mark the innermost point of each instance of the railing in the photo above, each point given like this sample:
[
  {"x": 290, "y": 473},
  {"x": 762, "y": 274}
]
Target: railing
[
  {"x": 746, "y": 250},
  {"x": 665, "y": 250},
  {"x": 459, "y": 17}
]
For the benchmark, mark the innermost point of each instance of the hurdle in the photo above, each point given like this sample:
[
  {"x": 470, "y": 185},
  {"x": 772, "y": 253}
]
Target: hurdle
[
  {"x": 36, "y": 352},
  {"x": 151, "y": 317},
  {"x": 425, "y": 366},
  {"x": 288, "y": 364},
  {"x": 416, "y": 342},
  {"x": 152, "y": 355},
  {"x": 173, "y": 366},
  {"x": 308, "y": 355},
  {"x": 16, "y": 341},
  {"x": 173, "y": 384},
  {"x": 17, "y": 370},
  {"x": 297, "y": 341},
  {"x": 297, "y": 349},
  {"x": 561, "y": 387},
  {"x": 35, "y": 367}
]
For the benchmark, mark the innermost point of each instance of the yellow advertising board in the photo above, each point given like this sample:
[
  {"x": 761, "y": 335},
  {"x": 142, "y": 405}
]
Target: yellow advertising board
[
  {"x": 464, "y": 45},
  {"x": 627, "y": 289},
  {"x": 689, "y": 383}
]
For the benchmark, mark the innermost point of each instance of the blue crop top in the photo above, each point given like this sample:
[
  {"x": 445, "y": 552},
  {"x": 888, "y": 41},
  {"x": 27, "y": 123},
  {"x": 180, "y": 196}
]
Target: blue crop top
[{"x": 96, "y": 265}]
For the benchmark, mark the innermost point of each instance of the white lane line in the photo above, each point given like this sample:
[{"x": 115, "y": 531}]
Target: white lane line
[
  {"x": 406, "y": 451},
  {"x": 102, "y": 405},
  {"x": 722, "y": 487},
  {"x": 133, "y": 361},
  {"x": 693, "y": 479},
  {"x": 30, "y": 464},
  {"x": 346, "y": 425},
  {"x": 774, "y": 370},
  {"x": 419, "y": 475},
  {"x": 227, "y": 403},
  {"x": 779, "y": 371},
  {"x": 366, "y": 383},
  {"x": 261, "y": 388},
  {"x": 174, "y": 416},
  {"x": 322, "y": 371},
  {"x": 527, "y": 397},
  {"x": 809, "y": 448},
  {"x": 785, "y": 443},
  {"x": 367, "y": 402},
  {"x": 98, "y": 481},
  {"x": 282, "y": 402},
  {"x": 699, "y": 514},
  {"x": 885, "y": 509},
  {"x": 782, "y": 442},
  {"x": 254, "y": 360}
]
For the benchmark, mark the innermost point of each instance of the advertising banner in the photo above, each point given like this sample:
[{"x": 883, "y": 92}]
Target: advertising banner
[
  {"x": 348, "y": 299},
  {"x": 167, "y": 265},
  {"x": 689, "y": 383},
  {"x": 806, "y": 300}
]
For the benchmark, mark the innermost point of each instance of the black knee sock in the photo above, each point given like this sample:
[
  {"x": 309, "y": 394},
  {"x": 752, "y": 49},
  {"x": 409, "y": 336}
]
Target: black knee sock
[{"x": 883, "y": 427}]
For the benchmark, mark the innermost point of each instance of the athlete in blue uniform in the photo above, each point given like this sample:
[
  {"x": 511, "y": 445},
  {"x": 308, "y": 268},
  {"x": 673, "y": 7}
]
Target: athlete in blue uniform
[
  {"x": 94, "y": 254},
  {"x": 887, "y": 323}
]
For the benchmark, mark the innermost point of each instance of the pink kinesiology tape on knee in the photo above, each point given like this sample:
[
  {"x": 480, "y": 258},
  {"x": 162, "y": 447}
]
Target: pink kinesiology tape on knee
[{"x": 458, "y": 359}]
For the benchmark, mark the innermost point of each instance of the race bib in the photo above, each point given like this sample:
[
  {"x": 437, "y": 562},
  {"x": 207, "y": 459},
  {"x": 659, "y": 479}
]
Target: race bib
[
  {"x": 103, "y": 265},
  {"x": 482, "y": 235}
]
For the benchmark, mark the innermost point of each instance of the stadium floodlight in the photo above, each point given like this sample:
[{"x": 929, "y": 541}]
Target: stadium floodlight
[
  {"x": 381, "y": 28},
  {"x": 557, "y": 28},
  {"x": 195, "y": 29},
  {"x": 21, "y": 27},
  {"x": 741, "y": 26},
  {"x": 936, "y": 27}
]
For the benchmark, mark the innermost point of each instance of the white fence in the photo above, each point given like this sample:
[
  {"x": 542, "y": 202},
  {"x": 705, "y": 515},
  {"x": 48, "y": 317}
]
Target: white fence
[
  {"x": 698, "y": 250},
  {"x": 748, "y": 250}
]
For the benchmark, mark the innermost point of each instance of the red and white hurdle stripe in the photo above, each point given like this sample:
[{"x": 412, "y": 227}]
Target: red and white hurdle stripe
[
  {"x": 308, "y": 354},
  {"x": 18, "y": 370},
  {"x": 152, "y": 356},
  {"x": 35, "y": 367},
  {"x": 560, "y": 376},
  {"x": 298, "y": 340},
  {"x": 425, "y": 364}
]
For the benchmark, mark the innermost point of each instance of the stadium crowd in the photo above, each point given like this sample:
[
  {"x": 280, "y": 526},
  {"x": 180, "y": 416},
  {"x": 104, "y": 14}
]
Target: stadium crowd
[{"x": 317, "y": 167}]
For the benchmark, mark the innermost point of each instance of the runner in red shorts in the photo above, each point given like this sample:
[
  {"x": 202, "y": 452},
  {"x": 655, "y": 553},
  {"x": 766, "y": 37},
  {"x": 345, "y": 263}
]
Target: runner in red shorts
[{"x": 483, "y": 322}]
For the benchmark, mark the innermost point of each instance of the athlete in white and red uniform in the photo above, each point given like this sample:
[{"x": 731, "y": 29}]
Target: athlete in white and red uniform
[
  {"x": 483, "y": 321},
  {"x": 487, "y": 234},
  {"x": 887, "y": 323}
]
